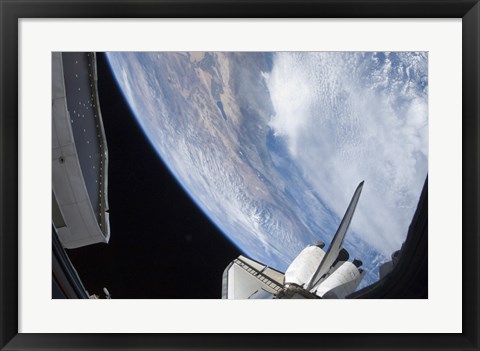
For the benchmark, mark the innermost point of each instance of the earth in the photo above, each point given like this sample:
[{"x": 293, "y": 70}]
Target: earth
[{"x": 271, "y": 145}]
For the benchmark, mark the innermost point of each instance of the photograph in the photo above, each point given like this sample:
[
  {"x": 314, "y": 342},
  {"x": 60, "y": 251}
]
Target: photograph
[
  {"x": 240, "y": 175},
  {"x": 199, "y": 159}
]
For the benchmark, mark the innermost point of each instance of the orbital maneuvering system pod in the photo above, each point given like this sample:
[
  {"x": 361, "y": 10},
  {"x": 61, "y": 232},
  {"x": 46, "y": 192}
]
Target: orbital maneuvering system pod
[{"x": 314, "y": 273}]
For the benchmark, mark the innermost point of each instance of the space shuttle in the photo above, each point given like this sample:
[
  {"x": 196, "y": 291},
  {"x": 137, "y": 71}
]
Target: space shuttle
[{"x": 313, "y": 274}]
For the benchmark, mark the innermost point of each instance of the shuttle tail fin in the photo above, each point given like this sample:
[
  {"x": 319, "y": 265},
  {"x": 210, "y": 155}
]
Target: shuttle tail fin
[{"x": 337, "y": 242}]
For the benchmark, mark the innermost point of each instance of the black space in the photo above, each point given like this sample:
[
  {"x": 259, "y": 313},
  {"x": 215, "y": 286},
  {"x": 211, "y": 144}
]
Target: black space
[{"x": 161, "y": 245}]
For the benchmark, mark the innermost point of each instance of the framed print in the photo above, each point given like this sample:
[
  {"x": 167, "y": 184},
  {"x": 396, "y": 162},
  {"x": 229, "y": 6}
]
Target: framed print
[{"x": 199, "y": 159}]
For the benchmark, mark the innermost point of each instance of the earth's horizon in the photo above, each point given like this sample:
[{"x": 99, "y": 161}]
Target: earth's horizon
[{"x": 271, "y": 146}]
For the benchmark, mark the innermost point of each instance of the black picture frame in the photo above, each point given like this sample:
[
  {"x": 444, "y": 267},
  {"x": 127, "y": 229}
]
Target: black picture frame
[{"x": 11, "y": 11}]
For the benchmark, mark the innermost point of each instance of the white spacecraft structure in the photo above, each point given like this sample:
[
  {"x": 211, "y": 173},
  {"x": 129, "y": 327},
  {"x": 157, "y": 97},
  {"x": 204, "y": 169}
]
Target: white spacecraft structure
[
  {"x": 80, "y": 210},
  {"x": 314, "y": 273}
]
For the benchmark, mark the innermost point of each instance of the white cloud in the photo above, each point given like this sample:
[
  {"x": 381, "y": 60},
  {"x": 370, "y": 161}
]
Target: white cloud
[{"x": 349, "y": 117}]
